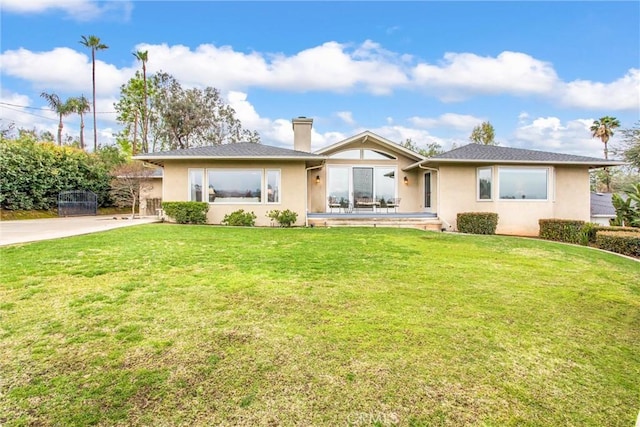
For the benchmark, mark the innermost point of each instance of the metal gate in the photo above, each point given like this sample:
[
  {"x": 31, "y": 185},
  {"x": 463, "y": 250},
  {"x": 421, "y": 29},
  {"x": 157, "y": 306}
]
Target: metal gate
[{"x": 77, "y": 203}]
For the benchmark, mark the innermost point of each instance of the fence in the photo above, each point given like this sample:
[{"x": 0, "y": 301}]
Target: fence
[{"x": 77, "y": 203}]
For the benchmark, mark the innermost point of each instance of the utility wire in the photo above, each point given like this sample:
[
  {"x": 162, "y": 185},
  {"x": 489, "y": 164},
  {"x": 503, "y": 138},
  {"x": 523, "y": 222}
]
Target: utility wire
[{"x": 45, "y": 108}]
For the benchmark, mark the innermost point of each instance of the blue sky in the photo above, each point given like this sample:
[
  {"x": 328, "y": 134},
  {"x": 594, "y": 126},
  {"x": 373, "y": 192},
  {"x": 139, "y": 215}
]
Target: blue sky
[{"x": 540, "y": 72}]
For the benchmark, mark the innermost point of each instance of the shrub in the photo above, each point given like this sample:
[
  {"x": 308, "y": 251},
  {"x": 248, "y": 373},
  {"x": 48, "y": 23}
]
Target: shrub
[
  {"x": 588, "y": 233},
  {"x": 622, "y": 242},
  {"x": 477, "y": 222},
  {"x": 593, "y": 231},
  {"x": 285, "y": 218},
  {"x": 187, "y": 212},
  {"x": 561, "y": 230},
  {"x": 240, "y": 218}
]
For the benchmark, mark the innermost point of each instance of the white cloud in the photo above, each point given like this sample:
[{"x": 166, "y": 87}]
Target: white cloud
[
  {"x": 621, "y": 94},
  {"x": 551, "y": 134},
  {"x": 63, "y": 70},
  {"x": 460, "y": 122},
  {"x": 346, "y": 116},
  {"x": 80, "y": 10},
  {"x": 331, "y": 66},
  {"x": 462, "y": 74}
]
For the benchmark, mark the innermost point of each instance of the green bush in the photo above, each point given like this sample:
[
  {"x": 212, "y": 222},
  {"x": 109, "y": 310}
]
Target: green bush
[
  {"x": 187, "y": 212},
  {"x": 33, "y": 173},
  {"x": 240, "y": 218},
  {"x": 594, "y": 230},
  {"x": 285, "y": 218},
  {"x": 562, "y": 230},
  {"x": 622, "y": 242},
  {"x": 477, "y": 222}
]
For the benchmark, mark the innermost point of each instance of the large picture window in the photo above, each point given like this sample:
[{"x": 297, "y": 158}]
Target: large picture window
[
  {"x": 484, "y": 183},
  {"x": 196, "y": 184},
  {"x": 235, "y": 185},
  {"x": 523, "y": 183}
]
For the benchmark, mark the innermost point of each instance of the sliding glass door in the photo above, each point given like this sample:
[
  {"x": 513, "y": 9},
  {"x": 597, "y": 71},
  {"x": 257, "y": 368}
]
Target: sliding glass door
[{"x": 347, "y": 183}]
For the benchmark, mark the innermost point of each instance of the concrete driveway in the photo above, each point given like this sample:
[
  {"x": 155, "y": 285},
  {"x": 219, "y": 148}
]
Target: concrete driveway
[{"x": 31, "y": 230}]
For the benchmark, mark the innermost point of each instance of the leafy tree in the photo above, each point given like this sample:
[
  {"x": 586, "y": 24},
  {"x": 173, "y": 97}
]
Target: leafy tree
[
  {"x": 128, "y": 181},
  {"x": 178, "y": 117},
  {"x": 603, "y": 129},
  {"x": 143, "y": 56},
  {"x": 484, "y": 134},
  {"x": 80, "y": 106},
  {"x": 630, "y": 146},
  {"x": 60, "y": 108},
  {"x": 131, "y": 108},
  {"x": 188, "y": 118},
  {"x": 94, "y": 43},
  {"x": 432, "y": 148}
]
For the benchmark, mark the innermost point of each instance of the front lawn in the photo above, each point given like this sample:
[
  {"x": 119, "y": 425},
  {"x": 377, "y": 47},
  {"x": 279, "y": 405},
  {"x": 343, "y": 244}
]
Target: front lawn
[{"x": 200, "y": 325}]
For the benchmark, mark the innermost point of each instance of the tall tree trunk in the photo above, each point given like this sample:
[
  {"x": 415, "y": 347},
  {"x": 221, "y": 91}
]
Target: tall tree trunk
[
  {"x": 82, "y": 131},
  {"x": 145, "y": 115},
  {"x": 95, "y": 129},
  {"x": 134, "y": 145},
  {"x": 60, "y": 126}
]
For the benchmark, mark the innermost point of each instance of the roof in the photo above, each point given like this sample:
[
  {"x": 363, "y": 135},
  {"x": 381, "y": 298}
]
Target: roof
[
  {"x": 238, "y": 151},
  {"x": 601, "y": 205},
  {"x": 368, "y": 135},
  {"x": 478, "y": 153}
]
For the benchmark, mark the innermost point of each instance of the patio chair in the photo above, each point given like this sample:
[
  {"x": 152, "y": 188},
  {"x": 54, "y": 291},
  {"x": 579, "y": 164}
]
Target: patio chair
[
  {"x": 393, "y": 203},
  {"x": 366, "y": 202},
  {"x": 333, "y": 203}
]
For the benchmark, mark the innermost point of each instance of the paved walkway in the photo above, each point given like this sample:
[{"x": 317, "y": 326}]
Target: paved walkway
[{"x": 31, "y": 230}]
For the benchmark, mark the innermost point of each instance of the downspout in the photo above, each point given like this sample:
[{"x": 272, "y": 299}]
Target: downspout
[{"x": 306, "y": 192}]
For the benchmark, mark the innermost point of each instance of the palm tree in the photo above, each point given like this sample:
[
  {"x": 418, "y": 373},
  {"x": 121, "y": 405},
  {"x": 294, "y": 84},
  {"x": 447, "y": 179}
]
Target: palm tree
[
  {"x": 603, "y": 129},
  {"x": 80, "y": 105},
  {"x": 94, "y": 44},
  {"x": 61, "y": 108},
  {"x": 143, "y": 56}
]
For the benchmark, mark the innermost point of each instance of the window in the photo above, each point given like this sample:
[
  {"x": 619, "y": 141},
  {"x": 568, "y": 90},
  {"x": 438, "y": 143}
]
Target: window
[
  {"x": 235, "y": 185},
  {"x": 196, "y": 184},
  {"x": 273, "y": 186},
  {"x": 347, "y": 154},
  {"x": 484, "y": 183},
  {"x": 376, "y": 155},
  {"x": 364, "y": 154},
  {"x": 523, "y": 183}
]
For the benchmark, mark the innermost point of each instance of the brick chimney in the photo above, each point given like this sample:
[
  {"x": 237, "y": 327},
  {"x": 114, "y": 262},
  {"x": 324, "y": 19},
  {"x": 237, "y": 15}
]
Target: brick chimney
[{"x": 302, "y": 134}]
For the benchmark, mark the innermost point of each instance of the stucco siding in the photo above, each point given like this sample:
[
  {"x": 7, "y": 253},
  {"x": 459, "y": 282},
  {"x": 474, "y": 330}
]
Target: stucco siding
[
  {"x": 568, "y": 198},
  {"x": 292, "y": 188}
]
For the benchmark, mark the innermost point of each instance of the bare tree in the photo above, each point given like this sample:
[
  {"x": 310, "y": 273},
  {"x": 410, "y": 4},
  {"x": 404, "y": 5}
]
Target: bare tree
[{"x": 128, "y": 181}]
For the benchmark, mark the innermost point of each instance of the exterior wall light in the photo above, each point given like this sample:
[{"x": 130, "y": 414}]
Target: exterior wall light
[
  {"x": 406, "y": 181},
  {"x": 317, "y": 179}
]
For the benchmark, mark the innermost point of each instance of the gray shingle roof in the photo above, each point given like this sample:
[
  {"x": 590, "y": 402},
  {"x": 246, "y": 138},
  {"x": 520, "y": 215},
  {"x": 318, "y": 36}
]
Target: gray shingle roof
[
  {"x": 498, "y": 153},
  {"x": 601, "y": 204},
  {"x": 240, "y": 150}
]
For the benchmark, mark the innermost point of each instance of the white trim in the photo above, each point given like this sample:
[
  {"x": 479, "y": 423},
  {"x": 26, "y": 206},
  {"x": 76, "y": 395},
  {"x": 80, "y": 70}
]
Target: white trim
[
  {"x": 491, "y": 186},
  {"x": 202, "y": 183},
  {"x": 377, "y": 139}
]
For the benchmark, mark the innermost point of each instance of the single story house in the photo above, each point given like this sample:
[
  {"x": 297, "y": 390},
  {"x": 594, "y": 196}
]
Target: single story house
[
  {"x": 602, "y": 209},
  {"x": 367, "y": 176}
]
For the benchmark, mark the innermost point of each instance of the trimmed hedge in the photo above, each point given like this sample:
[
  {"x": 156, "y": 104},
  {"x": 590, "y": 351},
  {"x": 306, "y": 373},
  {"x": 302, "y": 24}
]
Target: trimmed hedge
[
  {"x": 477, "y": 222},
  {"x": 592, "y": 231},
  {"x": 622, "y": 242},
  {"x": 562, "y": 230},
  {"x": 187, "y": 212}
]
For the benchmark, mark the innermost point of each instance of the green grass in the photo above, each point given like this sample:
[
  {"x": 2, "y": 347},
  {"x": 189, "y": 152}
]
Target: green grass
[{"x": 174, "y": 325}]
